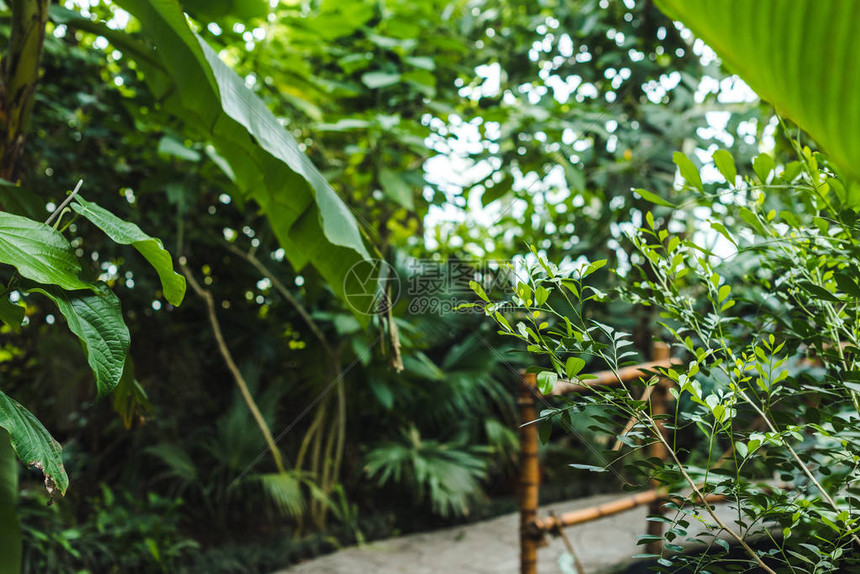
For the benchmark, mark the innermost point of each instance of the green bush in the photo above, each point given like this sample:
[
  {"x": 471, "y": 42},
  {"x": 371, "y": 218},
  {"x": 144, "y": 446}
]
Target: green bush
[
  {"x": 761, "y": 297},
  {"x": 120, "y": 532}
]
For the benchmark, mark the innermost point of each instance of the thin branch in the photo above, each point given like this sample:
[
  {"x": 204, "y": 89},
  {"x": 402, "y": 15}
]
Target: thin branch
[
  {"x": 797, "y": 459},
  {"x": 633, "y": 419},
  {"x": 705, "y": 503},
  {"x": 65, "y": 204},
  {"x": 671, "y": 452},
  {"x": 231, "y": 364}
]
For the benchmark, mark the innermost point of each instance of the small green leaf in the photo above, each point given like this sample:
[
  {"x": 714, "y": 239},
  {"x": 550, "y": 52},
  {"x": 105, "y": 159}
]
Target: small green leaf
[
  {"x": 646, "y": 538},
  {"x": 721, "y": 229},
  {"x": 847, "y": 285},
  {"x": 39, "y": 252},
  {"x": 396, "y": 188},
  {"x": 750, "y": 218},
  {"x": 96, "y": 318},
  {"x": 524, "y": 291},
  {"x": 541, "y": 295},
  {"x": 573, "y": 366},
  {"x": 654, "y": 198},
  {"x": 688, "y": 170},
  {"x": 763, "y": 165},
  {"x": 33, "y": 444},
  {"x": 817, "y": 291},
  {"x": 546, "y": 381},
  {"x": 479, "y": 291},
  {"x": 791, "y": 171},
  {"x": 374, "y": 80},
  {"x": 544, "y": 430},
  {"x": 126, "y": 233},
  {"x": 726, "y": 165},
  {"x": 723, "y": 293}
]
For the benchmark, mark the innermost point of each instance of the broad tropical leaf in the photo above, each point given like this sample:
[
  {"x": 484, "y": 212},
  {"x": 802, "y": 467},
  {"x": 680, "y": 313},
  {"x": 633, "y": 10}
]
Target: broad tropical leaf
[
  {"x": 39, "y": 252},
  {"x": 33, "y": 444},
  {"x": 96, "y": 318},
  {"x": 127, "y": 233},
  {"x": 801, "y": 57},
  {"x": 285, "y": 490},
  {"x": 310, "y": 220}
]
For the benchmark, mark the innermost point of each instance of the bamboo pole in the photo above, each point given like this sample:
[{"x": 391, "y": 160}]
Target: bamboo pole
[
  {"x": 583, "y": 515},
  {"x": 551, "y": 524},
  {"x": 627, "y": 374},
  {"x": 529, "y": 473},
  {"x": 659, "y": 406}
]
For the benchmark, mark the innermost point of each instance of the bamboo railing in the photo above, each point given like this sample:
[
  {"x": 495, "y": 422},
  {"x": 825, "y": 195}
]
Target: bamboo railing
[{"x": 532, "y": 529}]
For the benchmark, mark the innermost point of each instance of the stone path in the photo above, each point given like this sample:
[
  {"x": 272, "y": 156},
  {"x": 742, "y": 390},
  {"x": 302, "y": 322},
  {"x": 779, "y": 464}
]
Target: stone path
[{"x": 492, "y": 547}]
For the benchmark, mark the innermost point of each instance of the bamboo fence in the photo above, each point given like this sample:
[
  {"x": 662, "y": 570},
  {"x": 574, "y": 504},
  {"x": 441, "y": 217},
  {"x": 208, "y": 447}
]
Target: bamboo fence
[{"x": 533, "y": 530}]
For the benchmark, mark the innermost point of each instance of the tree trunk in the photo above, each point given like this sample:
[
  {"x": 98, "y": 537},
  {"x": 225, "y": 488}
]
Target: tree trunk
[{"x": 19, "y": 75}]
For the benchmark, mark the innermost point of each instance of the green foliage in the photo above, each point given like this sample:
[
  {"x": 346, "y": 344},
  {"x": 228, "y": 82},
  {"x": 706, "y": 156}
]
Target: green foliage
[
  {"x": 751, "y": 404},
  {"x": 96, "y": 319},
  {"x": 374, "y": 95},
  {"x": 126, "y": 233},
  {"x": 811, "y": 44},
  {"x": 123, "y": 533},
  {"x": 39, "y": 252},
  {"x": 311, "y": 222},
  {"x": 447, "y": 475},
  {"x": 33, "y": 444}
]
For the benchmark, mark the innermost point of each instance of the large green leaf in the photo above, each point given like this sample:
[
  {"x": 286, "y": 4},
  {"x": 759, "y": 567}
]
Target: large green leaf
[
  {"x": 310, "y": 220},
  {"x": 33, "y": 444},
  {"x": 800, "y": 56},
  {"x": 96, "y": 318},
  {"x": 241, "y": 9},
  {"x": 127, "y": 233},
  {"x": 10, "y": 526},
  {"x": 39, "y": 252}
]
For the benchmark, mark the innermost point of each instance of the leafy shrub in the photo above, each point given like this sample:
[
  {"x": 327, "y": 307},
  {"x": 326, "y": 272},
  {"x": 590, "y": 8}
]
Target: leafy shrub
[
  {"x": 121, "y": 533},
  {"x": 448, "y": 475},
  {"x": 768, "y": 334}
]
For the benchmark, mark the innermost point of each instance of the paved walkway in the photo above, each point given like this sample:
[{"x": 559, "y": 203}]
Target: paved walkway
[{"x": 492, "y": 547}]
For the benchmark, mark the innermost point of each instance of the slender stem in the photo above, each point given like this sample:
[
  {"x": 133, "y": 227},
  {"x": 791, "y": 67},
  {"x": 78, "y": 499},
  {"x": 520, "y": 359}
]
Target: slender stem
[
  {"x": 65, "y": 204},
  {"x": 231, "y": 364},
  {"x": 707, "y": 506},
  {"x": 797, "y": 459},
  {"x": 656, "y": 430}
]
